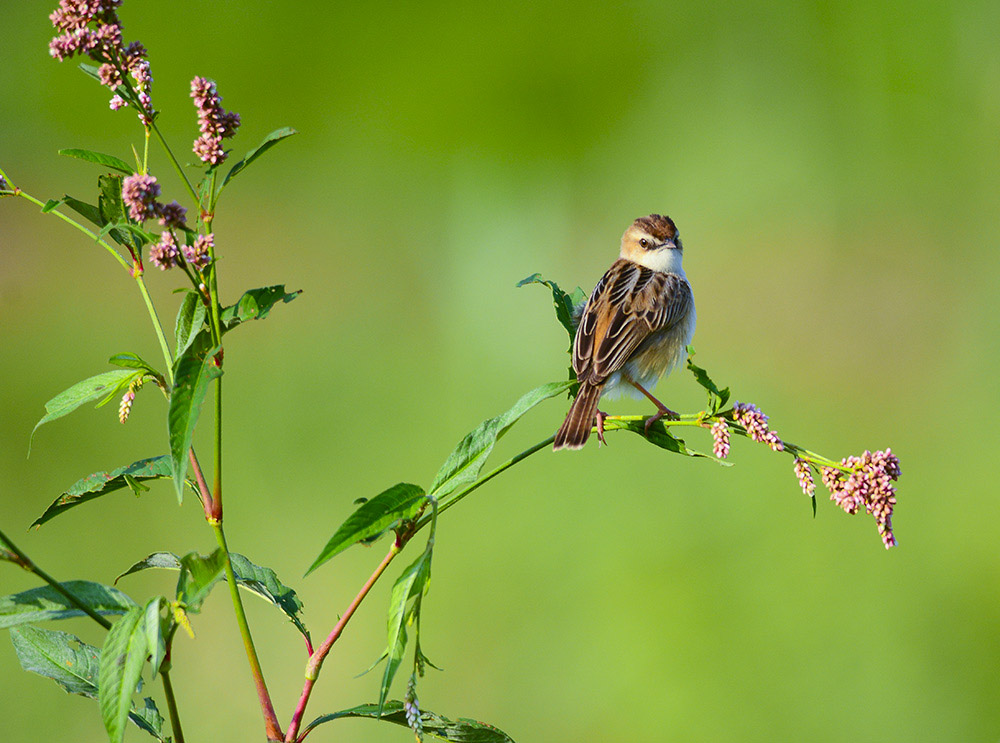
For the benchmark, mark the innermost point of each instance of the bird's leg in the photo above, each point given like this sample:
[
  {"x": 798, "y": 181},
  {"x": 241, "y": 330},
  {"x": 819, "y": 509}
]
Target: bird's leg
[
  {"x": 662, "y": 411},
  {"x": 599, "y": 424}
]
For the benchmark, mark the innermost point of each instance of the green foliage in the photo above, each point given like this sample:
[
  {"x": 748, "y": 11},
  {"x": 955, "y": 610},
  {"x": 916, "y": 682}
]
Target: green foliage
[
  {"x": 717, "y": 398},
  {"x": 461, "y": 730},
  {"x": 255, "y": 305},
  {"x": 108, "y": 161},
  {"x": 190, "y": 321},
  {"x": 100, "y": 387},
  {"x": 75, "y": 666},
  {"x": 261, "y": 581},
  {"x": 101, "y": 483},
  {"x": 467, "y": 460},
  {"x": 565, "y": 304},
  {"x": 404, "y": 609},
  {"x": 199, "y": 574},
  {"x": 269, "y": 141},
  {"x": 45, "y": 603},
  {"x": 120, "y": 668},
  {"x": 114, "y": 215},
  {"x": 193, "y": 371},
  {"x": 399, "y": 503}
]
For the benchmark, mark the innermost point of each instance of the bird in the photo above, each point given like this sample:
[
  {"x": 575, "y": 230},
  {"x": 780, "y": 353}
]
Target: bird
[{"x": 634, "y": 328}]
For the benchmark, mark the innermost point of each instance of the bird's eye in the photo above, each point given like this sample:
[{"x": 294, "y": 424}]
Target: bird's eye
[{"x": 644, "y": 242}]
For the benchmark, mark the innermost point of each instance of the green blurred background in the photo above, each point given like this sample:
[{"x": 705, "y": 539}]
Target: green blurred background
[{"x": 833, "y": 170}]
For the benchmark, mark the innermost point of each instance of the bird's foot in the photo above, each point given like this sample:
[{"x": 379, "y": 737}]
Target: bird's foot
[
  {"x": 663, "y": 412},
  {"x": 599, "y": 423}
]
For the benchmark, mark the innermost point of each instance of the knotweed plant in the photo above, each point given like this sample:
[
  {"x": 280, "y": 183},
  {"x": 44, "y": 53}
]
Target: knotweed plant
[{"x": 130, "y": 219}]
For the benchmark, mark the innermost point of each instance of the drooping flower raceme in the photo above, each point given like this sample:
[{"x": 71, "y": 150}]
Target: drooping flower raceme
[{"x": 868, "y": 485}]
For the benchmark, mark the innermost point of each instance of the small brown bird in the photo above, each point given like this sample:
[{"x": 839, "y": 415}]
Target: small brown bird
[{"x": 634, "y": 328}]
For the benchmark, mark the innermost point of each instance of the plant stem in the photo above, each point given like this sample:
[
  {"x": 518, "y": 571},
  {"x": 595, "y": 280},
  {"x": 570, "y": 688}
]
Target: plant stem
[
  {"x": 175, "y": 720},
  {"x": 485, "y": 479},
  {"x": 164, "y": 348},
  {"x": 317, "y": 658},
  {"x": 177, "y": 166},
  {"x": 26, "y": 562},
  {"x": 271, "y": 725}
]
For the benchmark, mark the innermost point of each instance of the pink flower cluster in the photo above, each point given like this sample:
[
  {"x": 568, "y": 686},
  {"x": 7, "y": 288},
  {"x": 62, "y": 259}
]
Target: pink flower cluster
[
  {"x": 720, "y": 438},
  {"x": 92, "y": 27},
  {"x": 214, "y": 122},
  {"x": 868, "y": 485},
  {"x": 754, "y": 421},
  {"x": 805, "y": 477}
]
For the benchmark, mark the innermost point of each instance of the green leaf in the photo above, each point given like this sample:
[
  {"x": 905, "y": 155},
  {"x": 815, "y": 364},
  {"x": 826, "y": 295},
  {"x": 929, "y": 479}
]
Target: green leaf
[
  {"x": 258, "y": 580},
  {"x": 99, "y": 387},
  {"x": 60, "y": 656},
  {"x": 461, "y": 730},
  {"x": 193, "y": 371},
  {"x": 45, "y": 602},
  {"x": 52, "y": 204},
  {"x": 565, "y": 304},
  {"x": 269, "y": 141},
  {"x": 411, "y": 584},
  {"x": 661, "y": 437},
  {"x": 717, "y": 398},
  {"x": 112, "y": 209},
  {"x": 132, "y": 361},
  {"x": 166, "y": 560},
  {"x": 102, "y": 483},
  {"x": 199, "y": 574},
  {"x": 467, "y": 460},
  {"x": 75, "y": 666},
  {"x": 255, "y": 305},
  {"x": 264, "y": 582},
  {"x": 122, "y": 656},
  {"x": 400, "y": 502},
  {"x": 85, "y": 210},
  {"x": 156, "y": 643},
  {"x": 190, "y": 321},
  {"x": 100, "y": 158}
]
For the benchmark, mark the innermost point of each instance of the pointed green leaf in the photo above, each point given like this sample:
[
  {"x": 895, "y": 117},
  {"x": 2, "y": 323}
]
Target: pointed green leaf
[
  {"x": 52, "y": 204},
  {"x": 193, "y": 372},
  {"x": 461, "y": 730},
  {"x": 122, "y": 656},
  {"x": 468, "y": 458},
  {"x": 264, "y": 582},
  {"x": 156, "y": 560},
  {"x": 156, "y": 644},
  {"x": 269, "y": 141},
  {"x": 199, "y": 574},
  {"x": 565, "y": 304},
  {"x": 717, "y": 398},
  {"x": 148, "y": 718},
  {"x": 399, "y": 502},
  {"x": 102, "y": 483},
  {"x": 112, "y": 209},
  {"x": 132, "y": 361},
  {"x": 255, "y": 305},
  {"x": 60, "y": 656},
  {"x": 45, "y": 602},
  {"x": 98, "y": 387},
  {"x": 85, "y": 210},
  {"x": 74, "y": 665},
  {"x": 190, "y": 321},
  {"x": 412, "y": 583},
  {"x": 100, "y": 158},
  {"x": 258, "y": 580}
]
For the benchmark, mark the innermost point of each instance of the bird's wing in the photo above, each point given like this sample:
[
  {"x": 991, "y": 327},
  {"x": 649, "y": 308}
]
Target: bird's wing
[{"x": 628, "y": 303}]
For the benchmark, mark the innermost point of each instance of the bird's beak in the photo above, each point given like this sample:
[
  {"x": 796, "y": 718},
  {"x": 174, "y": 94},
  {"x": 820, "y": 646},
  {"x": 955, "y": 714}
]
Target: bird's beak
[{"x": 671, "y": 245}]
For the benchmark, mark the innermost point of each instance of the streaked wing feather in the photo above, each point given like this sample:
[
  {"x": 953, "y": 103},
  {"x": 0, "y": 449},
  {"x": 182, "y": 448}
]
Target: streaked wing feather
[{"x": 628, "y": 303}]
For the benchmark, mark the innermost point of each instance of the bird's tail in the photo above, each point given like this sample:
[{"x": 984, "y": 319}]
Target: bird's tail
[{"x": 575, "y": 430}]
